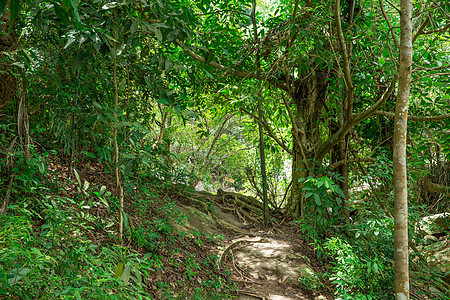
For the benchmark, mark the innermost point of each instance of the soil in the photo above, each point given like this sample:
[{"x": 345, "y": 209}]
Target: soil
[{"x": 266, "y": 265}]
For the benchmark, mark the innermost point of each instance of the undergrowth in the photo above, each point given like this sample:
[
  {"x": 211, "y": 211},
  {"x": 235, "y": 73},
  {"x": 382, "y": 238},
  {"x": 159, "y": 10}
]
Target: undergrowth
[{"x": 60, "y": 242}]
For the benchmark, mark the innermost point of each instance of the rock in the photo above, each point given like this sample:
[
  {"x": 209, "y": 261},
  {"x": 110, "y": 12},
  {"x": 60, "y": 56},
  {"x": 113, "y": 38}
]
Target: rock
[
  {"x": 307, "y": 279},
  {"x": 440, "y": 259},
  {"x": 199, "y": 187},
  {"x": 320, "y": 298},
  {"x": 430, "y": 239},
  {"x": 197, "y": 220},
  {"x": 434, "y": 224},
  {"x": 231, "y": 227}
]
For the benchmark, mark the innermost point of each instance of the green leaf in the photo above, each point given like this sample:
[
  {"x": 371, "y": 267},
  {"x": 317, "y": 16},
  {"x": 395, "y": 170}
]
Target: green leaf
[
  {"x": 36, "y": 251},
  {"x": 145, "y": 51},
  {"x": 2, "y": 5},
  {"x": 129, "y": 156},
  {"x": 109, "y": 5},
  {"x": 209, "y": 74},
  {"x": 98, "y": 105},
  {"x": 122, "y": 124},
  {"x": 158, "y": 34},
  {"x": 168, "y": 65},
  {"x": 339, "y": 191},
  {"x": 77, "y": 176},
  {"x": 375, "y": 267},
  {"x": 126, "y": 220},
  {"x": 17, "y": 273},
  {"x": 308, "y": 194},
  {"x": 14, "y": 9},
  {"x": 105, "y": 202},
  {"x": 61, "y": 13},
  {"x": 89, "y": 154},
  {"x": 134, "y": 27},
  {"x": 102, "y": 190},
  {"x": 69, "y": 42},
  {"x": 128, "y": 167},
  {"x": 19, "y": 64},
  {"x": 164, "y": 101},
  {"x": 66, "y": 5},
  {"x": 126, "y": 274},
  {"x": 86, "y": 185},
  {"x": 317, "y": 200},
  {"x": 118, "y": 271},
  {"x": 172, "y": 35}
]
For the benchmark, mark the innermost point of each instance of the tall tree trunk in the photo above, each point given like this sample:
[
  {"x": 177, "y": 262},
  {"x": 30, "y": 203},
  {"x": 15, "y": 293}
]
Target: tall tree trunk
[
  {"x": 260, "y": 119},
  {"x": 308, "y": 97},
  {"x": 8, "y": 42},
  {"x": 116, "y": 148},
  {"x": 400, "y": 180}
]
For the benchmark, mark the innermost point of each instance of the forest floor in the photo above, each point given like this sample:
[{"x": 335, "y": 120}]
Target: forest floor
[
  {"x": 264, "y": 263},
  {"x": 272, "y": 263},
  {"x": 269, "y": 266}
]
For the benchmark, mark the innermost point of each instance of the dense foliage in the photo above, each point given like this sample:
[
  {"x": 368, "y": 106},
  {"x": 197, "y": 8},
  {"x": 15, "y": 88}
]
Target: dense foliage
[{"x": 165, "y": 92}]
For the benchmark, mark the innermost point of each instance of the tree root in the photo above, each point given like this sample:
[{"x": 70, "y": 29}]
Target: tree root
[
  {"x": 241, "y": 271},
  {"x": 244, "y": 207},
  {"x": 231, "y": 246}
]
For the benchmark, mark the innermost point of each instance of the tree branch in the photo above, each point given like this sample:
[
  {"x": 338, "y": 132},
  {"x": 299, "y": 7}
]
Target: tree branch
[
  {"x": 391, "y": 115},
  {"x": 434, "y": 187},
  {"x": 389, "y": 24},
  {"x": 216, "y": 137},
  {"x": 216, "y": 65},
  {"x": 269, "y": 131},
  {"x": 295, "y": 129},
  {"x": 421, "y": 28},
  {"x": 439, "y": 30},
  {"x": 346, "y": 61},
  {"x": 371, "y": 110},
  {"x": 349, "y": 161},
  {"x": 340, "y": 134}
]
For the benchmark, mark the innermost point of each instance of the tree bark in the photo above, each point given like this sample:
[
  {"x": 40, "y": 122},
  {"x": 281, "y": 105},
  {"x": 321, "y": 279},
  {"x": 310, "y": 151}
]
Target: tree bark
[
  {"x": 401, "y": 268},
  {"x": 8, "y": 42},
  {"x": 116, "y": 146},
  {"x": 308, "y": 98}
]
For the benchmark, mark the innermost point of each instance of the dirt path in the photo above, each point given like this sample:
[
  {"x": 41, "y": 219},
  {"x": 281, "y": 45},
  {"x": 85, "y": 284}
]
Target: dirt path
[
  {"x": 268, "y": 266},
  {"x": 264, "y": 265}
]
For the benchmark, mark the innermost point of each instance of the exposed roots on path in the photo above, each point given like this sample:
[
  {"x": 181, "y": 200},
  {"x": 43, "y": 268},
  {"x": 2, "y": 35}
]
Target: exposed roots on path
[
  {"x": 234, "y": 244},
  {"x": 246, "y": 208}
]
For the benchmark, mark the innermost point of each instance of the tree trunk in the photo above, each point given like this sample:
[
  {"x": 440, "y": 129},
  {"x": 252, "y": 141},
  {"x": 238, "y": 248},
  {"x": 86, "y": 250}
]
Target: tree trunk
[
  {"x": 308, "y": 98},
  {"x": 116, "y": 148},
  {"x": 401, "y": 262},
  {"x": 262, "y": 156},
  {"x": 8, "y": 42}
]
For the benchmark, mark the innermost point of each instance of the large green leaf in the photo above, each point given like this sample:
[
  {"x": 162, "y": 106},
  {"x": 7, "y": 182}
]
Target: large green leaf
[
  {"x": 61, "y": 13},
  {"x": 2, "y": 6},
  {"x": 14, "y": 8},
  {"x": 126, "y": 274},
  {"x": 118, "y": 270}
]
